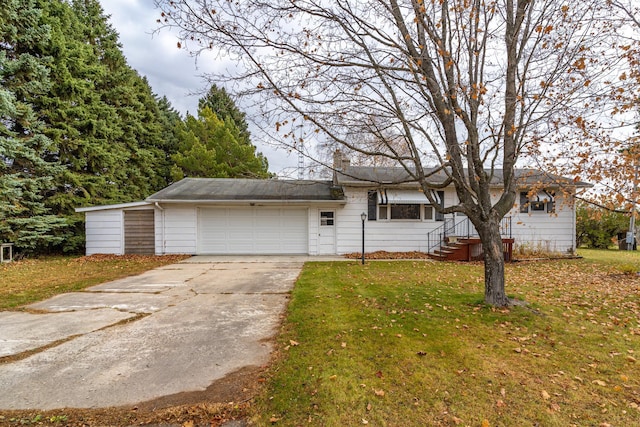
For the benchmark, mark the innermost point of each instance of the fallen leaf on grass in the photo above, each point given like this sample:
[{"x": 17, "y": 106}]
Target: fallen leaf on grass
[
  {"x": 485, "y": 423},
  {"x": 456, "y": 420},
  {"x": 545, "y": 395},
  {"x": 379, "y": 392},
  {"x": 599, "y": 382},
  {"x": 294, "y": 343}
]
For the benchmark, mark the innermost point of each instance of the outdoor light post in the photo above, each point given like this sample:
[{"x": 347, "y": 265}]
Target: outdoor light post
[{"x": 363, "y": 216}]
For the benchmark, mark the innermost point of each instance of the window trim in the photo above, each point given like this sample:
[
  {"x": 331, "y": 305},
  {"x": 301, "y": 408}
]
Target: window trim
[
  {"x": 529, "y": 206},
  {"x": 325, "y": 219},
  {"x": 417, "y": 207}
]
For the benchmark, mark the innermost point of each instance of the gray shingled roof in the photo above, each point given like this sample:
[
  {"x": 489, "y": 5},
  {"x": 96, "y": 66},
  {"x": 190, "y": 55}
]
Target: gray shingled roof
[
  {"x": 363, "y": 175},
  {"x": 221, "y": 189}
]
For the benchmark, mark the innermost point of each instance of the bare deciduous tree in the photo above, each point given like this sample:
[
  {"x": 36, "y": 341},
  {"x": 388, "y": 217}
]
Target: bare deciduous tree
[{"x": 473, "y": 85}]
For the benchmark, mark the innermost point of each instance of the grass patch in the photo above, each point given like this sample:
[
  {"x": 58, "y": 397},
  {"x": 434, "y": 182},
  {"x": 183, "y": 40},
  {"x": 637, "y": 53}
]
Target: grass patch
[
  {"x": 30, "y": 280},
  {"x": 411, "y": 343}
]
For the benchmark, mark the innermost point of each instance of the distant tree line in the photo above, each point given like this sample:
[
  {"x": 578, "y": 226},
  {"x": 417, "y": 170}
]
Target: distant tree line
[{"x": 80, "y": 127}]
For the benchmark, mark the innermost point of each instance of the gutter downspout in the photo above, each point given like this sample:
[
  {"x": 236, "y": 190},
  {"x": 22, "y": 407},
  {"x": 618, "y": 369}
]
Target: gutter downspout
[{"x": 163, "y": 243}]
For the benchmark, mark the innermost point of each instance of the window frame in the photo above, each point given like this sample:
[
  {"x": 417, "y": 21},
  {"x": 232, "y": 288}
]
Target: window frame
[
  {"x": 325, "y": 219},
  {"x": 529, "y": 206}
]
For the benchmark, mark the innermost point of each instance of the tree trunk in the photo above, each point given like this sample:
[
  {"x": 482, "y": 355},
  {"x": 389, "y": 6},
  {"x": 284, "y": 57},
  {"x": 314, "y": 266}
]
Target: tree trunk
[{"x": 492, "y": 248}]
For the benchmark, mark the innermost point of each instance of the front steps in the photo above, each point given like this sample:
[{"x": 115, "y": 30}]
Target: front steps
[{"x": 467, "y": 249}]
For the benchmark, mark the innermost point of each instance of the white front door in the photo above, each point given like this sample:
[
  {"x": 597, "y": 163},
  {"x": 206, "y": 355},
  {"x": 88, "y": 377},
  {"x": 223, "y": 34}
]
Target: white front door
[{"x": 327, "y": 233}]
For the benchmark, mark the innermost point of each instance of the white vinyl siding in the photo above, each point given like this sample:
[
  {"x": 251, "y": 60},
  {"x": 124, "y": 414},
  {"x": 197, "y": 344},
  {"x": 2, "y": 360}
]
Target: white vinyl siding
[
  {"x": 104, "y": 232},
  {"x": 553, "y": 232},
  {"x": 255, "y": 230},
  {"x": 179, "y": 230},
  {"x": 381, "y": 234},
  {"x": 548, "y": 232}
]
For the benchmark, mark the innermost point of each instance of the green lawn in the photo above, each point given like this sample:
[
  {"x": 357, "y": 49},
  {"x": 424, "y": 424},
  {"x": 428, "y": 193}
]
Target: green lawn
[{"x": 411, "y": 343}]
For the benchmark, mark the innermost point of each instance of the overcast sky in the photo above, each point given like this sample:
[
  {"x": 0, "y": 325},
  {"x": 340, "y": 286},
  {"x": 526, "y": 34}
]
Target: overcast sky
[{"x": 171, "y": 72}]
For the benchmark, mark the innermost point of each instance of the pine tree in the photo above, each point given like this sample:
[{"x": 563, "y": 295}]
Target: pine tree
[
  {"x": 25, "y": 176},
  {"x": 100, "y": 114},
  {"x": 170, "y": 122},
  {"x": 214, "y": 148},
  {"x": 221, "y": 103}
]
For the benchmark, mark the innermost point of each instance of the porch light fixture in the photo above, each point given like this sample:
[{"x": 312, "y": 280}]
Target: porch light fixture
[{"x": 363, "y": 217}]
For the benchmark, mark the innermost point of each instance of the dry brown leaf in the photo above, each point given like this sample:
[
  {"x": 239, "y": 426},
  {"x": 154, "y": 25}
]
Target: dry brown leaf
[
  {"x": 545, "y": 395},
  {"x": 599, "y": 382},
  {"x": 294, "y": 343},
  {"x": 456, "y": 420},
  {"x": 379, "y": 392}
]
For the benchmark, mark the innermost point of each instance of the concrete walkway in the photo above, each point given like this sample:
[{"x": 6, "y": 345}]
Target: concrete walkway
[{"x": 174, "y": 329}]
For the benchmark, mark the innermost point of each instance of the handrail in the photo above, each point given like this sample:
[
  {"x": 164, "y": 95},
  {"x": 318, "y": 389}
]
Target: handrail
[{"x": 463, "y": 228}]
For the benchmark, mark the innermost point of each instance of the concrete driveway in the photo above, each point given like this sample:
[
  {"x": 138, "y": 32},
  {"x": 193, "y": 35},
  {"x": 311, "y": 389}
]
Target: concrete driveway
[{"x": 174, "y": 329}]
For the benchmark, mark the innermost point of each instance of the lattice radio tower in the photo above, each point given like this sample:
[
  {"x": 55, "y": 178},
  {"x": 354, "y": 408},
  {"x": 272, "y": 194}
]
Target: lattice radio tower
[{"x": 300, "y": 156}]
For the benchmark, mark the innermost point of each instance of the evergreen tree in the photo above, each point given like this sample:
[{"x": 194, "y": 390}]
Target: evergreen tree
[
  {"x": 100, "y": 114},
  {"x": 170, "y": 122},
  {"x": 25, "y": 177},
  {"x": 221, "y": 103},
  {"x": 214, "y": 148}
]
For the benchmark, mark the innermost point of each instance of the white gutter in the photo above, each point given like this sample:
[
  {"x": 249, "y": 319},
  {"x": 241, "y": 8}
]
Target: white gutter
[{"x": 162, "y": 230}]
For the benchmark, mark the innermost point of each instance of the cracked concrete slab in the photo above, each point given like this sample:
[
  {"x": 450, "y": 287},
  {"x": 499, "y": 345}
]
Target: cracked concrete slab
[
  {"x": 154, "y": 281},
  {"x": 252, "y": 278},
  {"x": 129, "y": 302},
  {"x": 22, "y": 331},
  {"x": 185, "y": 347},
  {"x": 205, "y": 321}
]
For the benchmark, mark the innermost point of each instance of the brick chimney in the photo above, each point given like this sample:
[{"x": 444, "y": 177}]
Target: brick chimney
[{"x": 340, "y": 161}]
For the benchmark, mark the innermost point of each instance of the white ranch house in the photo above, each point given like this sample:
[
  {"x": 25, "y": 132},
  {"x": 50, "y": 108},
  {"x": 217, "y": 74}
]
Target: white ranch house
[{"x": 206, "y": 216}]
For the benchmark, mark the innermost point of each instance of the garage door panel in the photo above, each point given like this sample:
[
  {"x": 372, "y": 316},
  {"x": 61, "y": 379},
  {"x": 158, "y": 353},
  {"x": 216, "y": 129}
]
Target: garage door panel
[{"x": 254, "y": 230}]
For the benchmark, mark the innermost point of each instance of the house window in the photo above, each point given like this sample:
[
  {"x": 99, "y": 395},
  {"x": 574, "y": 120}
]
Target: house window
[
  {"x": 327, "y": 218},
  {"x": 440, "y": 215},
  {"x": 372, "y": 205},
  {"x": 545, "y": 205},
  {"x": 382, "y": 212},
  {"x": 428, "y": 212},
  {"x": 405, "y": 211},
  {"x": 524, "y": 202}
]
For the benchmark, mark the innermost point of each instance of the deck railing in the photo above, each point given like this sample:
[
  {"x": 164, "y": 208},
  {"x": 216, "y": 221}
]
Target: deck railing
[{"x": 463, "y": 229}]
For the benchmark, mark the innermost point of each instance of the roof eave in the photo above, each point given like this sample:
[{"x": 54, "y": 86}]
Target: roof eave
[
  {"x": 248, "y": 201},
  {"x": 116, "y": 206}
]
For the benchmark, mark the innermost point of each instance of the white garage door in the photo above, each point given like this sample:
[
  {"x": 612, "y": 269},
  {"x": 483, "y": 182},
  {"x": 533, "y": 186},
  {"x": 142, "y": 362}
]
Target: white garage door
[{"x": 252, "y": 231}]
